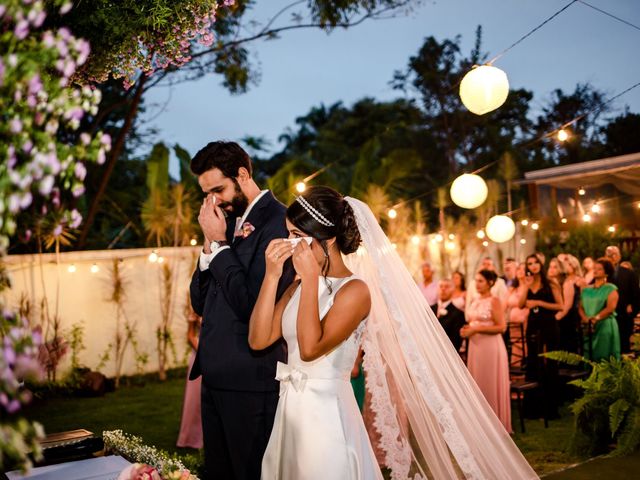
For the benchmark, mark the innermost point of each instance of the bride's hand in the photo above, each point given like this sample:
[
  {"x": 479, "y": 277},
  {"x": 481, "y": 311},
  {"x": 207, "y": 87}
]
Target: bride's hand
[
  {"x": 305, "y": 262},
  {"x": 278, "y": 251}
]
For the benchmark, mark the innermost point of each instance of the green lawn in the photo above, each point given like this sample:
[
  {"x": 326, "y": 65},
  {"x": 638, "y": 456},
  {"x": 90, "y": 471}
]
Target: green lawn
[{"x": 153, "y": 411}]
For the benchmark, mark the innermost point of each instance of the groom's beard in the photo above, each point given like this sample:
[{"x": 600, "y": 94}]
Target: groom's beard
[{"x": 238, "y": 204}]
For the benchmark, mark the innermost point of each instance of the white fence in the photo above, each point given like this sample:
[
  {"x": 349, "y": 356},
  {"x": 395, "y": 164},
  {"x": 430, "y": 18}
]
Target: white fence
[{"x": 79, "y": 285}]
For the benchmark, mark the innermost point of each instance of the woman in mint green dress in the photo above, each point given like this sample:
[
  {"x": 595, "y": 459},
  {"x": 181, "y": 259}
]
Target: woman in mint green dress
[{"x": 598, "y": 306}]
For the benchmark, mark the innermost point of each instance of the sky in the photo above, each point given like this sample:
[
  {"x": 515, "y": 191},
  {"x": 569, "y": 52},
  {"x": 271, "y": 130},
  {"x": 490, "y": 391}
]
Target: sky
[{"x": 307, "y": 68}]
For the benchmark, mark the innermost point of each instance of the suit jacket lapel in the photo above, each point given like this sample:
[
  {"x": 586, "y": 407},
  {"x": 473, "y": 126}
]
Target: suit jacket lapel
[{"x": 256, "y": 216}]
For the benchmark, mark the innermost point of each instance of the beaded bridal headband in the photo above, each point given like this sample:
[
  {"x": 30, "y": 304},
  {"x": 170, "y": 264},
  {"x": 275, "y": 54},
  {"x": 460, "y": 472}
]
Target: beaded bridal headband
[{"x": 317, "y": 216}]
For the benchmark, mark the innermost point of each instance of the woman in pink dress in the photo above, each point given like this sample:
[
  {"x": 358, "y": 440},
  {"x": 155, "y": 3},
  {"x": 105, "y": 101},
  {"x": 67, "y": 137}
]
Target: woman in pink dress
[
  {"x": 191, "y": 425},
  {"x": 487, "y": 359},
  {"x": 517, "y": 318}
]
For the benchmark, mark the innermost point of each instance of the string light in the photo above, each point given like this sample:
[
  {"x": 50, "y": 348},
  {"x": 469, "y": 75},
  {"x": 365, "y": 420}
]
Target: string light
[
  {"x": 595, "y": 208},
  {"x": 160, "y": 259},
  {"x": 523, "y": 241},
  {"x": 439, "y": 238},
  {"x": 564, "y": 220},
  {"x": 484, "y": 89},
  {"x": 95, "y": 268},
  {"x": 612, "y": 228},
  {"x": 301, "y": 187},
  {"x": 586, "y": 218},
  {"x": 485, "y": 244},
  {"x": 535, "y": 226},
  {"x": 582, "y": 191},
  {"x": 563, "y": 135},
  {"x": 153, "y": 256},
  {"x": 193, "y": 242},
  {"x": 72, "y": 268},
  {"x": 469, "y": 191},
  {"x": 480, "y": 234},
  {"x": 450, "y": 245},
  {"x": 392, "y": 213},
  {"x": 452, "y": 236},
  {"x": 524, "y": 222},
  {"x": 500, "y": 228},
  {"x": 415, "y": 240}
]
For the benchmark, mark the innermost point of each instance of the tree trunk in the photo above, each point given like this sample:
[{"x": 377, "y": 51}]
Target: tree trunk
[{"x": 116, "y": 151}]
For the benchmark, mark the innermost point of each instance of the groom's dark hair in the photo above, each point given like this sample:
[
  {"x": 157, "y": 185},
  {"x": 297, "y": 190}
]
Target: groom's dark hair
[{"x": 229, "y": 157}]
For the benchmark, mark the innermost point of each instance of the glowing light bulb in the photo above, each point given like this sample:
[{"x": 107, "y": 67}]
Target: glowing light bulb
[
  {"x": 586, "y": 217},
  {"x": 153, "y": 257},
  {"x": 582, "y": 191},
  {"x": 72, "y": 268},
  {"x": 595, "y": 208},
  {"x": 524, "y": 222},
  {"x": 480, "y": 234},
  {"x": 95, "y": 268},
  {"x": 523, "y": 241},
  {"x": 193, "y": 242},
  {"x": 450, "y": 245},
  {"x": 535, "y": 226},
  {"x": 439, "y": 238},
  {"x": 612, "y": 228},
  {"x": 394, "y": 246},
  {"x": 392, "y": 213},
  {"x": 485, "y": 244},
  {"x": 160, "y": 259},
  {"x": 564, "y": 220},
  {"x": 452, "y": 236},
  {"x": 415, "y": 240},
  {"x": 301, "y": 187},
  {"x": 563, "y": 135}
]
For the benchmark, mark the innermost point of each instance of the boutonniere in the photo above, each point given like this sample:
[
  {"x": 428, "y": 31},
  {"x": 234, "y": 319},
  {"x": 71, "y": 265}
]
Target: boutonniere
[
  {"x": 246, "y": 230},
  {"x": 442, "y": 312}
]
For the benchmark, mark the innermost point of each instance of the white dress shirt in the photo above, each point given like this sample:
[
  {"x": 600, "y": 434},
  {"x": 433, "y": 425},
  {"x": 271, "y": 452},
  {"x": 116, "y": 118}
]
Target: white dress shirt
[{"x": 206, "y": 258}]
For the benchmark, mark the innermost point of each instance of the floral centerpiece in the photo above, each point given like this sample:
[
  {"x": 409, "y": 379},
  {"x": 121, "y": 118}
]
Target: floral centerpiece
[{"x": 151, "y": 463}]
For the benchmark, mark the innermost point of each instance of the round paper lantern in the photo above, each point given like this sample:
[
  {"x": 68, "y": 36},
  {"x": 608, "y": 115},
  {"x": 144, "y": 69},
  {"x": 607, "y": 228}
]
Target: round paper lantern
[
  {"x": 484, "y": 89},
  {"x": 500, "y": 228},
  {"x": 469, "y": 191}
]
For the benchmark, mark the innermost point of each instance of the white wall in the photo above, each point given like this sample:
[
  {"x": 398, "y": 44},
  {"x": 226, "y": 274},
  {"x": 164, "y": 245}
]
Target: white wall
[{"x": 84, "y": 297}]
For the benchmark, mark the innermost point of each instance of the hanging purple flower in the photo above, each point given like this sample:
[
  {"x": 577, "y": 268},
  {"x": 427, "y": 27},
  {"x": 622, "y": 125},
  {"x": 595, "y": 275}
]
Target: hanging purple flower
[
  {"x": 46, "y": 184},
  {"x": 76, "y": 219},
  {"x": 80, "y": 171},
  {"x": 22, "y": 30},
  {"x": 15, "y": 125}
]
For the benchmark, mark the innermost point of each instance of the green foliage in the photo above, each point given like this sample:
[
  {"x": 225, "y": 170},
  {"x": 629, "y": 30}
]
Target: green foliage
[
  {"x": 158, "y": 168},
  {"x": 582, "y": 241},
  {"x": 609, "y": 410}
]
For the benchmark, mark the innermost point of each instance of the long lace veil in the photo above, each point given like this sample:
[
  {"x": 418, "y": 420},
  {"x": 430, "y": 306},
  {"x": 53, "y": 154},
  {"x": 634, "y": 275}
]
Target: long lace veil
[{"x": 432, "y": 419}]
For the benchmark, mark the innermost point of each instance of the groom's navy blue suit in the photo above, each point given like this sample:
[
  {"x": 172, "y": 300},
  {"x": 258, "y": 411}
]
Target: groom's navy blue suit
[{"x": 239, "y": 390}]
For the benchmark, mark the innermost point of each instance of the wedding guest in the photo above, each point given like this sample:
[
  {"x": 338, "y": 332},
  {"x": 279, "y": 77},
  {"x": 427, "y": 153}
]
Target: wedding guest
[
  {"x": 598, "y": 310},
  {"x": 191, "y": 423},
  {"x": 629, "y": 296},
  {"x": 509, "y": 267},
  {"x": 459, "y": 297},
  {"x": 451, "y": 317},
  {"x": 543, "y": 299},
  {"x": 499, "y": 288},
  {"x": 555, "y": 271},
  {"x": 587, "y": 269},
  {"x": 487, "y": 358},
  {"x": 568, "y": 317},
  {"x": 429, "y": 286}
]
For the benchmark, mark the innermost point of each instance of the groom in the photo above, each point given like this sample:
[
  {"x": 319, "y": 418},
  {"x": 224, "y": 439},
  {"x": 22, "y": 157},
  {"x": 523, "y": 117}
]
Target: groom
[{"x": 239, "y": 390}]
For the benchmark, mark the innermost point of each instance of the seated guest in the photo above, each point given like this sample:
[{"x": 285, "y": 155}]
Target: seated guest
[
  {"x": 509, "y": 268},
  {"x": 451, "y": 318}
]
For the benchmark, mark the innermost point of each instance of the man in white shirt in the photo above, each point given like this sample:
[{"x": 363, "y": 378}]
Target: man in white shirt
[
  {"x": 429, "y": 286},
  {"x": 239, "y": 391}
]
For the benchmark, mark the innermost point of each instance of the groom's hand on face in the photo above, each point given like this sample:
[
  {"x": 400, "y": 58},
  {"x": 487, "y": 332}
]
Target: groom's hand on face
[{"x": 212, "y": 220}]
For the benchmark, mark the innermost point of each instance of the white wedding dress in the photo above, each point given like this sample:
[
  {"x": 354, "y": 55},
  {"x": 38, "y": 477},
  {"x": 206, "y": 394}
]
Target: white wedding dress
[{"x": 318, "y": 432}]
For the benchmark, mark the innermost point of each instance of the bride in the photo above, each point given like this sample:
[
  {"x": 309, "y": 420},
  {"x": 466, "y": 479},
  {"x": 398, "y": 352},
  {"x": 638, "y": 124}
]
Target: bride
[{"x": 353, "y": 290}]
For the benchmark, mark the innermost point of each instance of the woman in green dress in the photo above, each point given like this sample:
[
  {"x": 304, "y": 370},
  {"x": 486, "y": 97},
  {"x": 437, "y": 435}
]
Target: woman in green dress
[{"x": 598, "y": 308}]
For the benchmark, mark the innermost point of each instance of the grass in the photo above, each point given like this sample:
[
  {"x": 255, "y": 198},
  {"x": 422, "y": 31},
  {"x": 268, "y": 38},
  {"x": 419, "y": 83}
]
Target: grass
[{"x": 152, "y": 410}]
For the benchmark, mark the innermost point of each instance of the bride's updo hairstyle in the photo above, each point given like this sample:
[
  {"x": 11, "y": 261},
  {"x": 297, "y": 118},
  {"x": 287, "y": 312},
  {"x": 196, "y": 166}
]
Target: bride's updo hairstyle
[{"x": 323, "y": 213}]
